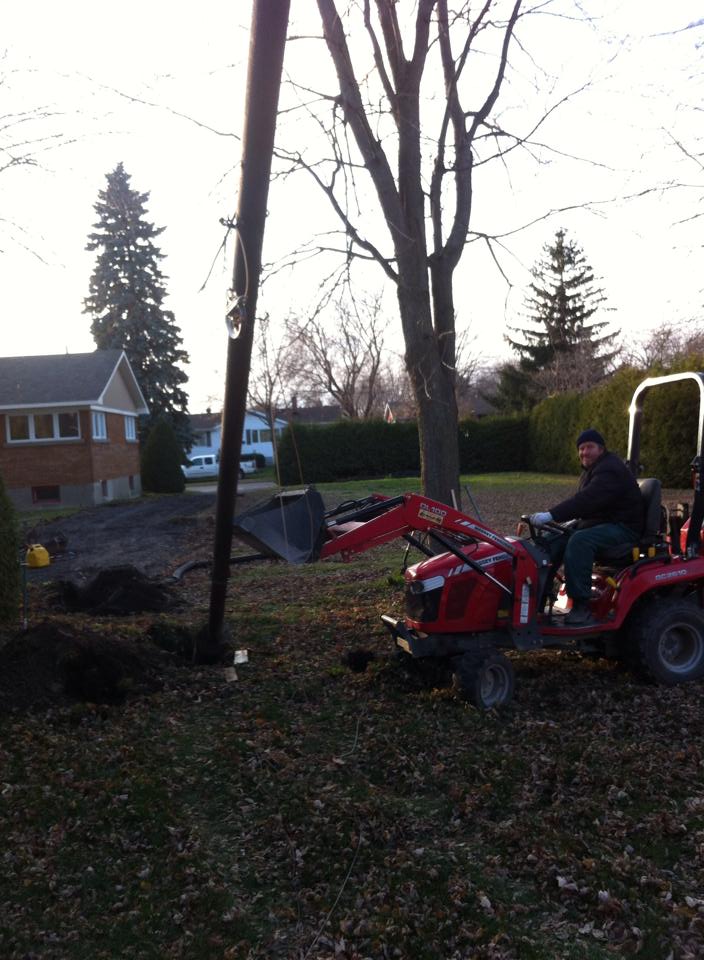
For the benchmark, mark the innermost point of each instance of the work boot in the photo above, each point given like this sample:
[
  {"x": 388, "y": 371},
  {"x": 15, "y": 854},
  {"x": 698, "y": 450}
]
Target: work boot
[{"x": 580, "y": 615}]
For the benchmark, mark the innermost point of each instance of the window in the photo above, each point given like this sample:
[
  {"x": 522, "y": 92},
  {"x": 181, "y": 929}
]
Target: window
[
  {"x": 265, "y": 436},
  {"x": 130, "y": 428},
  {"x": 68, "y": 425},
  {"x": 100, "y": 429},
  {"x": 19, "y": 428},
  {"x": 248, "y": 436},
  {"x": 46, "y": 495},
  {"x": 42, "y": 426}
]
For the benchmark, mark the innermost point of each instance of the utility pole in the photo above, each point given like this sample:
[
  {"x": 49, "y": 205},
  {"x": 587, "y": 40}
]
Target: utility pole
[{"x": 266, "y": 54}]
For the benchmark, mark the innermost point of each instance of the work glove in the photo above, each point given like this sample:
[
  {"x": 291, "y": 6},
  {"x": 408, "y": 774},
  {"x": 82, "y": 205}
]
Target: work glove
[{"x": 540, "y": 519}]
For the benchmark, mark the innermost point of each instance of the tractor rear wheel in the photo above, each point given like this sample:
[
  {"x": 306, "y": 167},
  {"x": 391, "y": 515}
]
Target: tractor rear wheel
[
  {"x": 668, "y": 641},
  {"x": 484, "y": 678}
]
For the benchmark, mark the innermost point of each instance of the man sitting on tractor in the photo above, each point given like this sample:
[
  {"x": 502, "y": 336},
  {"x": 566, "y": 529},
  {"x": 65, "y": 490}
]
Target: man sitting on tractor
[{"x": 609, "y": 508}]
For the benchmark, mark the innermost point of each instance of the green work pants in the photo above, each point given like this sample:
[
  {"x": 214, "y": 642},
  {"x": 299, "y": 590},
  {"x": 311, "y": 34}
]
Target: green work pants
[{"x": 578, "y": 551}]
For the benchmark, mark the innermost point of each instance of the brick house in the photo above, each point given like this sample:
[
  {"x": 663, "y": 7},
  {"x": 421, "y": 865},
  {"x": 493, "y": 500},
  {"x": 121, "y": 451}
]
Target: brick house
[{"x": 68, "y": 430}]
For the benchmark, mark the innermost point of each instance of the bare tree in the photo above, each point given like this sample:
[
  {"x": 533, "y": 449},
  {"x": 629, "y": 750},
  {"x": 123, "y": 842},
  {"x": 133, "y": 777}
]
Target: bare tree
[
  {"x": 27, "y": 132},
  {"x": 664, "y": 346},
  {"x": 422, "y": 179},
  {"x": 341, "y": 358},
  {"x": 270, "y": 374}
]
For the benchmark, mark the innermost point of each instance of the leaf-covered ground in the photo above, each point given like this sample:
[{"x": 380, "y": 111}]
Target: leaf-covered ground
[{"x": 299, "y": 809}]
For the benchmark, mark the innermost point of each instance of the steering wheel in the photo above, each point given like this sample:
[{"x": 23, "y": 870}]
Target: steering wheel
[{"x": 552, "y": 526}]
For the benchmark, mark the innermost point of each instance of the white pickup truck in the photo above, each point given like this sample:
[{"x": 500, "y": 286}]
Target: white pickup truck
[{"x": 205, "y": 466}]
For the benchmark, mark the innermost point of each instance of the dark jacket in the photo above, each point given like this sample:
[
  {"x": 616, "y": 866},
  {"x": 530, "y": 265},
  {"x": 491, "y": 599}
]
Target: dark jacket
[{"x": 607, "y": 493}]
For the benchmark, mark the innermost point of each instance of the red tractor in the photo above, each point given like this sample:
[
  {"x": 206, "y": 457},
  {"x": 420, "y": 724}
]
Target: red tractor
[{"x": 477, "y": 593}]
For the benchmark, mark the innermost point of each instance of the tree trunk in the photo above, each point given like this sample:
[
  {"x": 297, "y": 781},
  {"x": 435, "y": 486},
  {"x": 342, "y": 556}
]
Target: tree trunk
[{"x": 433, "y": 389}]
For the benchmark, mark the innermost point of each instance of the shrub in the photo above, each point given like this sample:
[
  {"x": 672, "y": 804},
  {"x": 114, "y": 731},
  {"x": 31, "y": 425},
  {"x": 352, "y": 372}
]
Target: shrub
[
  {"x": 493, "y": 444},
  {"x": 554, "y": 425},
  {"x": 349, "y": 449},
  {"x": 161, "y": 460},
  {"x": 9, "y": 560}
]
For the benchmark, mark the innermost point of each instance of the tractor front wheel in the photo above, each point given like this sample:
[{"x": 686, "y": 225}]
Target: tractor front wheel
[
  {"x": 484, "y": 678},
  {"x": 668, "y": 640}
]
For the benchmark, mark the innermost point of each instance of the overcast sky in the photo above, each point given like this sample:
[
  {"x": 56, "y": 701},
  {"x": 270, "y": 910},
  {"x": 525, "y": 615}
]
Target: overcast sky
[{"x": 125, "y": 83}]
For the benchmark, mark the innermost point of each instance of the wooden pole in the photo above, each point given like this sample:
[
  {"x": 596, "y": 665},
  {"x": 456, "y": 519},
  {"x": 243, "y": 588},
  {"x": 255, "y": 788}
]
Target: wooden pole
[{"x": 266, "y": 54}]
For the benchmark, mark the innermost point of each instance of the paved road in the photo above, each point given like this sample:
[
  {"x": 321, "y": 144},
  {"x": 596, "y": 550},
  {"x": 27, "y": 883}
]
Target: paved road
[{"x": 245, "y": 486}]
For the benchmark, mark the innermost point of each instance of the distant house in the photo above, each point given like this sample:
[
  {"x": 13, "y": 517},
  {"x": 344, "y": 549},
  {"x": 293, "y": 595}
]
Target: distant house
[
  {"x": 205, "y": 430},
  {"x": 473, "y": 403},
  {"x": 69, "y": 428},
  {"x": 256, "y": 434},
  {"x": 319, "y": 415}
]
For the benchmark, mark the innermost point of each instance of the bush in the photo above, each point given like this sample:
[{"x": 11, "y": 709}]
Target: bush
[
  {"x": 493, "y": 444},
  {"x": 349, "y": 449},
  {"x": 554, "y": 425},
  {"x": 9, "y": 560},
  {"x": 161, "y": 460}
]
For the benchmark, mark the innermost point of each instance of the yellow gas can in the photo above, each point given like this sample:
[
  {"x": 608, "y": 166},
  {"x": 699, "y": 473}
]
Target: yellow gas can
[{"x": 37, "y": 556}]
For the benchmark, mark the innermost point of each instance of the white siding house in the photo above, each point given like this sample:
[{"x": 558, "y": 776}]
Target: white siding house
[{"x": 256, "y": 434}]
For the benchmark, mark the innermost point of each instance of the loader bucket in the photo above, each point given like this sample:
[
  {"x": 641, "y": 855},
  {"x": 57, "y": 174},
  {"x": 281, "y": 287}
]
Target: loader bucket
[{"x": 289, "y": 526}]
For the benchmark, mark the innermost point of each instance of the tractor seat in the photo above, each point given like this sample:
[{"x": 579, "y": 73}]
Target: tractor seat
[{"x": 654, "y": 528}]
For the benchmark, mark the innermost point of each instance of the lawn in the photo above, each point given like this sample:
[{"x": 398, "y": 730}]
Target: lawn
[{"x": 304, "y": 810}]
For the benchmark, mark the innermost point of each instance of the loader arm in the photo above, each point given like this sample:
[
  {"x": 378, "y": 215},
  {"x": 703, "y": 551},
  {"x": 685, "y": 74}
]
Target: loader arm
[
  {"x": 386, "y": 520},
  {"x": 294, "y": 526},
  {"x": 348, "y": 534}
]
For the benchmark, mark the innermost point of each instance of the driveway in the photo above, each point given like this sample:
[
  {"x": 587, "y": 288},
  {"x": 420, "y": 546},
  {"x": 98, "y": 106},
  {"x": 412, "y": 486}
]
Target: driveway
[{"x": 243, "y": 487}]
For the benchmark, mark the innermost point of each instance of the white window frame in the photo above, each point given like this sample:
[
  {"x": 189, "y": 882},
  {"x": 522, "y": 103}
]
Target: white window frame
[
  {"x": 130, "y": 428},
  {"x": 99, "y": 425},
  {"x": 33, "y": 438}
]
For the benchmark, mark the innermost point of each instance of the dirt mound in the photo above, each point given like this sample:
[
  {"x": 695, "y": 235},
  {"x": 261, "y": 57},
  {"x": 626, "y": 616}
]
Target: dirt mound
[
  {"x": 54, "y": 664},
  {"x": 117, "y": 591}
]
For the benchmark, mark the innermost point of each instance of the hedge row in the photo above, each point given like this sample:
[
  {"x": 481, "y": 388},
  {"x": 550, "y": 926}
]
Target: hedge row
[
  {"x": 543, "y": 441},
  {"x": 356, "y": 449}
]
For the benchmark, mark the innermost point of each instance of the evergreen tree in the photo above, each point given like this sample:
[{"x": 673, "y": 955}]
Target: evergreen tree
[
  {"x": 127, "y": 295},
  {"x": 513, "y": 390},
  {"x": 564, "y": 347},
  {"x": 9, "y": 561},
  {"x": 162, "y": 457}
]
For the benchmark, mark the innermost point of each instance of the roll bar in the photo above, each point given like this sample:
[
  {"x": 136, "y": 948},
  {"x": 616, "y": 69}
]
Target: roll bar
[
  {"x": 633, "y": 458},
  {"x": 636, "y": 413}
]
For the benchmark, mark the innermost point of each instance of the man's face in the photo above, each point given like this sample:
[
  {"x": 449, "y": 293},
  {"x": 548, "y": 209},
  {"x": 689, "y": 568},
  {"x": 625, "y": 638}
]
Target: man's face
[{"x": 589, "y": 452}]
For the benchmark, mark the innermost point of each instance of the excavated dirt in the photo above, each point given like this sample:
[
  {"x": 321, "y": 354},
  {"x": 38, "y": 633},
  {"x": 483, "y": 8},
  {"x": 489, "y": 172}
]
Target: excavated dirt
[{"x": 155, "y": 535}]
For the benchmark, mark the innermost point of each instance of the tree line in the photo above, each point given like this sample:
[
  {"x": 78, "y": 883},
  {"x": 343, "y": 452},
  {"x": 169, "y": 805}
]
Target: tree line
[{"x": 561, "y": 341}]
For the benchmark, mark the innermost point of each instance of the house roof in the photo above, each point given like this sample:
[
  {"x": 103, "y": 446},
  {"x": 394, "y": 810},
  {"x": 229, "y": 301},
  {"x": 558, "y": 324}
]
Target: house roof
[
  {"x": 208, "y": 421},
  {"x": 205, "y": 421},
  {"x": 322, "y": 414},
  {"x": 65, "y": 379}
]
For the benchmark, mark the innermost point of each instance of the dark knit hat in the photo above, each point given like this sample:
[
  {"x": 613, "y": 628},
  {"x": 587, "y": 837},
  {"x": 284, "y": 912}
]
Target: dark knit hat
[{"x": 590, "y": 436}]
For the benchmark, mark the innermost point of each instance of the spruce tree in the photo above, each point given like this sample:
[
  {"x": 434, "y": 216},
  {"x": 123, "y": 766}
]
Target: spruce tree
[
  {"x": 162, "y": 457},
  {"x": 564, "y": 346},
  {"x": 126, "y": 299}
]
